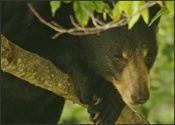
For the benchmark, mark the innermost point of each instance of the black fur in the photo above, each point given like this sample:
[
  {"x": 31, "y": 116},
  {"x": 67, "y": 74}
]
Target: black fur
[{"x": 82, "y": 57}]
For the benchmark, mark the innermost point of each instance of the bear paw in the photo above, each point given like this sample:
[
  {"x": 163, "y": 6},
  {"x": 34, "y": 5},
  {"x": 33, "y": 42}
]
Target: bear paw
[{"x": 105, "y": 109}]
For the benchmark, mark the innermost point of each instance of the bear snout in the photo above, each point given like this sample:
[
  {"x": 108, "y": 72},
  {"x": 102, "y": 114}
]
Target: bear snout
[{"x": 140, "y": 98}]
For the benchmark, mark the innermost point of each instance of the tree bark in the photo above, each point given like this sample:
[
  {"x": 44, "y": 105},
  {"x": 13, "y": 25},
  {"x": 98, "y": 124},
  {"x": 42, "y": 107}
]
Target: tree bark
[{"x": 41, "y": 72}]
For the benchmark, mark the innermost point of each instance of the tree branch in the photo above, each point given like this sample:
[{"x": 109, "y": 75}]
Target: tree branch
[
  {"x": 41, "y": 72},
  {"x": 77, "y": 30}
]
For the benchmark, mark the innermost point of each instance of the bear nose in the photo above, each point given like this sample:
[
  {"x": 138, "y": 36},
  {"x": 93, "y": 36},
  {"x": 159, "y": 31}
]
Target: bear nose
[{"x": 140, "y": 98}]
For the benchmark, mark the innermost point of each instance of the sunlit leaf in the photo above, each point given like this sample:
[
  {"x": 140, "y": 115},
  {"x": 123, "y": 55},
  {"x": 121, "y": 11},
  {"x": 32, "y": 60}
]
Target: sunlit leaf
[
  {"x": 170, "y": 6},
  {"x": 162, "y": 11},
  {"x": 88, "y": 6},
  {"x": 160, "y": 3},
  {"x": 133, "y": 21},
  {"x": 107, "y": 9},
  {"x": 144, "y": 13},
  {"x": 99, "y": 5},
  {"x": 80, "y": 14},
  {"x": 102, "y": 7},
  {"x": 135, "y": 7},
  {"x": 116, "y": 12},
  {"x": 129, "y": 8},
  {"x": 126, "y": 7},
  {"x": 104, "y": 16},
  {"x": 122, "y": 7},
  {"x": 55, "y": 5}
]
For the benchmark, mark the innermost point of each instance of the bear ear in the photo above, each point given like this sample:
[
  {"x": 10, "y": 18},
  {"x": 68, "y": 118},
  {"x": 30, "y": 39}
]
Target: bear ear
[{"x": 62, "y": 15}]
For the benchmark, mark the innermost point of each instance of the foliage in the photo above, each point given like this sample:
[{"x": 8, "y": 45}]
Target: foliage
[
  {"x": 84, "y": 9},
  {"x": 129, "y": 8},
  {"x": 74, "y": 113},
  {"x": 170, "y": 7},
  {"x": 55, "y": 5},
  {"x": 160, "y": 107}
]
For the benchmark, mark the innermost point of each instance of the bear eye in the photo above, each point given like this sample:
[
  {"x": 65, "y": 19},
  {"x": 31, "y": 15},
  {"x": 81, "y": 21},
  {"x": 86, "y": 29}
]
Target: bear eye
[
  {"x": 149, "y": 59},
  {"x": 120, "y": 62},
  {"x": 118, "y": 57}
]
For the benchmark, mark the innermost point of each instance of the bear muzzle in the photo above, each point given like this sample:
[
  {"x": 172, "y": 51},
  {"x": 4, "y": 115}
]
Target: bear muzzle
[{"x": 140, "y": 98}]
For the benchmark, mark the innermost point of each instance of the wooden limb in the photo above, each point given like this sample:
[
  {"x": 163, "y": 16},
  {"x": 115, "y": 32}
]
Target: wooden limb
[
  {"x": 41, "y": 72},
  {"x": 78, "y": 30}
]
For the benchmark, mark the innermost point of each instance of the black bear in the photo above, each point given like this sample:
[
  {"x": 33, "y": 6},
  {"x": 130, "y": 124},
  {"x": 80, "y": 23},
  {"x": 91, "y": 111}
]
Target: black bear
[{"x": 108, "y": 70}]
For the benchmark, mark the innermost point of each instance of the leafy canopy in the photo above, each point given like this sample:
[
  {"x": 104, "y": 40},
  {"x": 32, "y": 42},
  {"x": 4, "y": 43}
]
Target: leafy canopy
[{"x": 84, "y": 9}]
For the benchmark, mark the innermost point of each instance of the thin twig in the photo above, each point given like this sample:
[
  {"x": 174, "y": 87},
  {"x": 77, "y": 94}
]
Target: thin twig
[
  {"x": 41, "y": 19},
  {"x": 56, "y": 24},
  {"x": 94, "y": 20},
  {"x": 77, "y": 30},
  {"x": 99, "y": 21},
  {"x": 73, "y": 22}
]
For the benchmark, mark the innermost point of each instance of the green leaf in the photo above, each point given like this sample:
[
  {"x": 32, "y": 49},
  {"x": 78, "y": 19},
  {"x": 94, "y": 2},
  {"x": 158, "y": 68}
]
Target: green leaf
[
  {"x": 135, "y": 7},
  {"x": 99, "y": 5},
  {"x": 116, "y": 12},
  {"x": 126, "y": 7},
  {"x": 107, "y": 9},
  {"x": 145, "y": 13},
  {"x": 170, "y": 6},
  {"x": 102, "y": 7},
  {"x": 81, "y": 15},
  {"x": 162, "y": 11},
  {"x": 104, "y": 16},
  {"x": 121, "y": 6},
  {"x": 88, "y": 6},
  {"x": 160, "y": 3},
  {"x": 55, "y": 5},
  {"x": 133, "y": 21}
]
